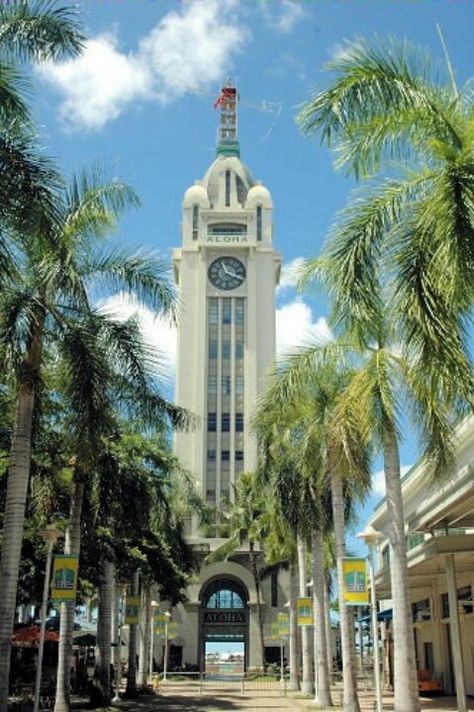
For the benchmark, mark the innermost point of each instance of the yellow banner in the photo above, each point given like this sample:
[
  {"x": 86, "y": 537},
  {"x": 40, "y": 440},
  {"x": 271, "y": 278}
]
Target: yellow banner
[
  {"x": 275, "y": 631},
  {"x": 355, "y": 582},
  {"x": 132, "y": 610},
  {"x": 172, "y": 631},
  {"x": 159, "y": 623},
  {"x": 304, "y": 611},
  {"x": 64, "y": 583},
  {"x": 283, "y": 625}
]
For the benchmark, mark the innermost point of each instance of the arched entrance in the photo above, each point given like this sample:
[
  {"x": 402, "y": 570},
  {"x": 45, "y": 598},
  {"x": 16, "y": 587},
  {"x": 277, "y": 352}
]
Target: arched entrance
[{"x": 224, "y": 616}]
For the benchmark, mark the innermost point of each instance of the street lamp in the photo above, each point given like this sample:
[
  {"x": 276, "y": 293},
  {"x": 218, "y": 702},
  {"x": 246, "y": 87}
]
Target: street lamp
[
  {"x": 165, "y": 661},
  {"x": 371, "y": 537},
  {"x": 154, "y": 606},
  {"x": 122, "y": 587},
  {"x": 50, "y": 535}
]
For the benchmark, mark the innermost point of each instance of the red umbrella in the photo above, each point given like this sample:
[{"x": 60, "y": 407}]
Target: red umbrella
[{"x": 29, "y": 637}]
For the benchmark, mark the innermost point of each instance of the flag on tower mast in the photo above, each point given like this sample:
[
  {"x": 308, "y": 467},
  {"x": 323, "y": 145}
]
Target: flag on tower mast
[{"x": 226, "y": 93}]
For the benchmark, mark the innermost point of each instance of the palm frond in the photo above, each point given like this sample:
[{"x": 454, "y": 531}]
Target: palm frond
[
  {"x": 379, "y": 79},
  {"x": 39, "y": 30},
  {"x": 141, "y": 275},
  {"x": 93, "y": 203},
  {"x": 13, "y": 88}
]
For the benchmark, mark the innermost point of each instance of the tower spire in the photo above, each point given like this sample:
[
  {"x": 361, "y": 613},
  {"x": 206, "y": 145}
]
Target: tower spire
[{"x": 227, "y": 143}]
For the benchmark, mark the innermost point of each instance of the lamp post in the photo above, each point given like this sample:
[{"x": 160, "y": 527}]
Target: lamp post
[
  {"x": 154, "y": 606},
  {"x": 370, "y": 537},
  {"x": 50, "y": 535},
  {"x": 122, "y": 587},
  {"x": 165, "y": 661}
]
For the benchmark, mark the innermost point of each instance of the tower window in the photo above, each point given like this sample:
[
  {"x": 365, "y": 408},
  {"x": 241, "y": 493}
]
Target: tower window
[
  {"x": 211, "y": 422},
  {"x": 195, "y": 221},
  {"x": 225, "y": 455},
  {"x": 212, "y": 384},
  {"x": 225, "y": 422},
  {"x": 239, "y": 422},
  {"x": 239, "y": 455},
  {"x": 259, "y": 223},
  {"x": 239, "y": 349},
  {"x": 211, "y": 455},
  {"x": 213, "y": 311},
  {"x": 226, "y": 312},
  {"x": 239, "y": 385},
  {"x": 226, "y": 349},
  {"x": 227, "y": 189},
  {"x": 226, "y": 385},
  {"x": 239, "y": 311},
  {"x": 212, "y": 349}
]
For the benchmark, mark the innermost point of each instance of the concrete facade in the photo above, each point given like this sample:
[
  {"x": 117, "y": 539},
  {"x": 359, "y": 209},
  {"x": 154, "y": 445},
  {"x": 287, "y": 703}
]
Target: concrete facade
[
  {"x": 226, "y": 271},
  {"x": 440, "y": 539}
]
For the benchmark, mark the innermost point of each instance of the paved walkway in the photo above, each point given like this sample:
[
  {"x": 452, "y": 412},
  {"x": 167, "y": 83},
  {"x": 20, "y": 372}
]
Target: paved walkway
[{"x": 224, "y": 701}]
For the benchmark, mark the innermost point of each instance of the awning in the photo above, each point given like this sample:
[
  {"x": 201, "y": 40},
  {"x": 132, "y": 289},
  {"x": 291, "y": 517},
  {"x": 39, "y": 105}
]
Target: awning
[
  {"x": 381, "y": 616},
  {"x": 28, "y": 637}
]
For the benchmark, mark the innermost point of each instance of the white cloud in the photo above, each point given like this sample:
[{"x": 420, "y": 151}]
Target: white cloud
[
  {"x": 295, "y": 326},
  {"x": 282, "y": 16},
  {"x": 190, "y": 48},
  {"x": 291, "y": 13},
  {"x": 193, "y": 48},
  {"x": 378, "y": 480},
  {"x": 289, "y": 274},
  {"x": 157, "y": 332},
  {"x": 97, "y": 85}
]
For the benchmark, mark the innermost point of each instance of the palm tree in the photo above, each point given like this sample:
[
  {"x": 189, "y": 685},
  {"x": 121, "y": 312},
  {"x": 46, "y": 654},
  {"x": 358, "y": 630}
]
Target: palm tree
[
  {"x": 385, "y": 384},
  {"x": 412, "y": 225},
  {"x": 106, "y": 369},
  {"x": 328, "y": 452},
  {"x": 57, "y": 272}
]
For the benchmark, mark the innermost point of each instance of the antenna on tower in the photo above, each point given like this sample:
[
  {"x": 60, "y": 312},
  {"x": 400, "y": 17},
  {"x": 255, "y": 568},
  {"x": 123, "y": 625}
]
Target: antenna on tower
[{"x": 227, "y": 141}]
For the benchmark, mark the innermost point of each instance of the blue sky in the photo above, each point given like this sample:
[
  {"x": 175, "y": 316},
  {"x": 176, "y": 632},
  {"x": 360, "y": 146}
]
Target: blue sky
[{"x": 140, "y": 99}]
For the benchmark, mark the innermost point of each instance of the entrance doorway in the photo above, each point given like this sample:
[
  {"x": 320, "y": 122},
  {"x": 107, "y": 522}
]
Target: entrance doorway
[{"x": 224, "y": 627}]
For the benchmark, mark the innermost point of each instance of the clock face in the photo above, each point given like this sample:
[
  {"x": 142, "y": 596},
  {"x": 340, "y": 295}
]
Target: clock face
[{"x": 226, "y": 273}]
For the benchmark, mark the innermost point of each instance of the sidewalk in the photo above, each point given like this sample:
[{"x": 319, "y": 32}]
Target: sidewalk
[{"x": 190, "y": 701}]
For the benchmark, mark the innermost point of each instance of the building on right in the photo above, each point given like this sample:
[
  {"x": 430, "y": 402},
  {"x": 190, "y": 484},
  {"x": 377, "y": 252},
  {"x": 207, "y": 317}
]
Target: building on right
[{"x": 439, "y": 528}]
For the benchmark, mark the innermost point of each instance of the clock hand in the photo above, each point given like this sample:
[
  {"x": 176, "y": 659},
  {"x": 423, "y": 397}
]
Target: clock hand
[
  {"x": 236, "y": 276},
  {"x": 224, "y": 267}
]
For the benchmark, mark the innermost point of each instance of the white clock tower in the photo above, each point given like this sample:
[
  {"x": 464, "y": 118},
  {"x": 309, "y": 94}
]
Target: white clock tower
[{"x": 226, "y": 271}]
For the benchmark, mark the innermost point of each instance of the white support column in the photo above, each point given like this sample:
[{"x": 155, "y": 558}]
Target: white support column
[{"x": 456, "y": 645}]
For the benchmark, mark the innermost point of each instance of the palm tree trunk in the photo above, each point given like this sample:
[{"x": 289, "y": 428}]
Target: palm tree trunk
[
  {"x": 104, "y": 631},
  {"x": 144, "y": 655},
  {"x": 327, "y": 625},
  {"x": 131, "y": 690},
  {"x": 405, "y": 685},
  {"x": 17, "y": 489},
  {"x": 256, "y": 578},
  {"x": 307, "y": 682},
  {"x": 72, "y": 546},
  {"x": 293, "y": 632},
  {"x": 351, "y": 700},
  {"x": 321, "y": 657}
]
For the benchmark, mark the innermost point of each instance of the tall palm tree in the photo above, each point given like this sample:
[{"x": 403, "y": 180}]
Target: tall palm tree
[
  {"x": 58, "y": 271},
  {"x": 384, "y": 384},
  {"x": 329, "y": 453},
  {"x": 106, "y": 369},
  {"x": 399, "y": 122}
]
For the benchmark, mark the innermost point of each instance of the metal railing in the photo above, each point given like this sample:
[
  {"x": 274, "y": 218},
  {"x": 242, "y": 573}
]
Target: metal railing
[{"x": 241, "y": 683}]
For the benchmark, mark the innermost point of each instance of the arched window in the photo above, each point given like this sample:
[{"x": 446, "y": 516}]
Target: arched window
[
  {"x": 224, "y": 594},
  {"x": 259, "y": 223},
  {"x": 195, "y": 221}
]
